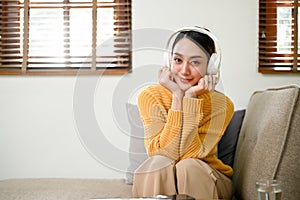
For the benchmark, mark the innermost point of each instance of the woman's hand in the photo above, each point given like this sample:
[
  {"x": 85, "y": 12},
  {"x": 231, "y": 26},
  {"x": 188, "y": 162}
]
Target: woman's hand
[
  {"x": 166, "y": 79},
  {"x": 205, "y": 84}
]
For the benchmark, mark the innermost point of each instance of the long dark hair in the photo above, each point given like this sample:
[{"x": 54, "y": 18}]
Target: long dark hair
[{"x": 202, "y": 40}]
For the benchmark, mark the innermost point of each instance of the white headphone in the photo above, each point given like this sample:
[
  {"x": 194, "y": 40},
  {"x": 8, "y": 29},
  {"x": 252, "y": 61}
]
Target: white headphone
[{"x": 214, "y": 63}]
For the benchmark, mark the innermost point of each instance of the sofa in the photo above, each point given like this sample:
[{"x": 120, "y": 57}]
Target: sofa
[{"x": 261, "y": 142}]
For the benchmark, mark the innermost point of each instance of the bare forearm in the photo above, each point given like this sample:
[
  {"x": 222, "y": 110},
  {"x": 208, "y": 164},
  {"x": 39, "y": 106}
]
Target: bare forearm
[{"x": 177, "y": 101}]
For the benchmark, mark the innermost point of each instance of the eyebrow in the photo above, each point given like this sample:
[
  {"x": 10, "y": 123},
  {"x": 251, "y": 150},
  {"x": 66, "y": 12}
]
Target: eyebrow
[{"x": 197, "y": 56}]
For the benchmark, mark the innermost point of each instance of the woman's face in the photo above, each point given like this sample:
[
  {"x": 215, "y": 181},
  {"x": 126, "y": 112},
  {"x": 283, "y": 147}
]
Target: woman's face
[{"x": 189, "y": 63}]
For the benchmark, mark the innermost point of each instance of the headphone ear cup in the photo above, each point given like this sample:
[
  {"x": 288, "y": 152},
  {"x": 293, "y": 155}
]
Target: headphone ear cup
[
  {"x": 167, "y": 58},
  {"x": 212, "y": 67}
]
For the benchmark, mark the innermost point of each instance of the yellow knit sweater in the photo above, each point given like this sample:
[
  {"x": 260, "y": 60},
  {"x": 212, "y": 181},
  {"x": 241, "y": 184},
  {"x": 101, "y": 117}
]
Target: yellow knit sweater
[{"x": 192, "y": 132}]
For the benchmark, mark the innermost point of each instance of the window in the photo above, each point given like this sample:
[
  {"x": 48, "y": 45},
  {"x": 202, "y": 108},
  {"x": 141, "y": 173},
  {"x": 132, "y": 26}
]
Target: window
[
  {"x": 65, "y": 36},
  {"x": 278, "y": 36}
]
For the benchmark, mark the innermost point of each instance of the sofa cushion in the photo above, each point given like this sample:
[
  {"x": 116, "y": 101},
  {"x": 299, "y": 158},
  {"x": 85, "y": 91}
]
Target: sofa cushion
[
  {"x": 268, "y": 145},
  {"x": 227, "y": 144}
]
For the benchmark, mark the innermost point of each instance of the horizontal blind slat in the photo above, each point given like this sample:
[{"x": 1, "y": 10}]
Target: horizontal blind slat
[
  {"x": 11, "y": 40},
  {"x": 276, "y": 36}
]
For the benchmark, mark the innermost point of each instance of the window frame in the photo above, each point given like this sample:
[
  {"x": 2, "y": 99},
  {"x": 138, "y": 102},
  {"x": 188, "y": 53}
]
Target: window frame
[
  {"x": 270, "y": 60},
  {"x": 122, "y": 29}
]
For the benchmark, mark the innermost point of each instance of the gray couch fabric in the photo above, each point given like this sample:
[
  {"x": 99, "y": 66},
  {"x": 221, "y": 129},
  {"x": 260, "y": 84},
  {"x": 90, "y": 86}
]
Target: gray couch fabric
[
  {"x": 63, "y": 189},
  {"x": 268, "y": 145}
]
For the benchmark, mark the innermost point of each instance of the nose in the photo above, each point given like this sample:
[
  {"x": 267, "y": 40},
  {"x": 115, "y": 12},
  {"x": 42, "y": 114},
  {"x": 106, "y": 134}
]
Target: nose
[{"x": 185, "y": 68}]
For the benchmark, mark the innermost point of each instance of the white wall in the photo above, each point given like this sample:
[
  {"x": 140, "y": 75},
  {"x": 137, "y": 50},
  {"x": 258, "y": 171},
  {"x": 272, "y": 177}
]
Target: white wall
[{"x": 39, "y": 132}]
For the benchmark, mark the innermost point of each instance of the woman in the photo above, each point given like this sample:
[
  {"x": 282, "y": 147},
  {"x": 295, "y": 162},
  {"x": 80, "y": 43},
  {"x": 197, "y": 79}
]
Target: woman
[{"x": 184, "y": 119}]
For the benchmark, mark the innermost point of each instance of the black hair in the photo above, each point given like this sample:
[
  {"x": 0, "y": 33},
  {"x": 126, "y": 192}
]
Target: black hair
[{"x": 205, "y": 42}]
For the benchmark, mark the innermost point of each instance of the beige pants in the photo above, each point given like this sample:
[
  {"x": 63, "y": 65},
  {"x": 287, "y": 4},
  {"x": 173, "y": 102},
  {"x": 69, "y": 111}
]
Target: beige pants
[{"x": 158, "y": 175}]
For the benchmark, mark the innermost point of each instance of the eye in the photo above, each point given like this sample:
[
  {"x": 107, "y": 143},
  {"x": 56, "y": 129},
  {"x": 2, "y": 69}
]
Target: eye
[
  {"x": 195, "y": 63},
  {"x": 177, "y": 60}
]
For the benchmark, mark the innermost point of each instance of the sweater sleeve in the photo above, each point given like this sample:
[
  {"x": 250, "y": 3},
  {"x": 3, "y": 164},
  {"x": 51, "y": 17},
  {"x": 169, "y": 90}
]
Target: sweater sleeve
[
  {"x": 204, "y": 122},
  {"x": 162, "y": 127},
  {"x": 219, "y": 113},
  {"x": 192, "y": 115}
]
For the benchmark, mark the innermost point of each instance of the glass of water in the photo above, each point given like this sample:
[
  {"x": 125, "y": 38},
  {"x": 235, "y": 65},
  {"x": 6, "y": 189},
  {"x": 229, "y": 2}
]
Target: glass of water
[{"x": 269, "y": 190}]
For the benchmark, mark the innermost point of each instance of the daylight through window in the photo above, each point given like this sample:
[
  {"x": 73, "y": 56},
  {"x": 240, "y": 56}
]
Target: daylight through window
[
  {"x": 278, "y": 36},
  {"x": 65, "y": 36}
]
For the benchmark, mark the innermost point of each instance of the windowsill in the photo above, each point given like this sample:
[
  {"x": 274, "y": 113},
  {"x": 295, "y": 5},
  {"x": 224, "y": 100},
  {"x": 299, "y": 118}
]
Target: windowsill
[
  {"x": 278, "y": 70},
  {"x": 66, "y": 72}
]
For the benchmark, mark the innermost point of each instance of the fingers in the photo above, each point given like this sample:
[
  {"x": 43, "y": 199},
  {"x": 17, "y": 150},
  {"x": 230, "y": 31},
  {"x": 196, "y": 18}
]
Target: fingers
[
  {"x": 164, "y": 75},
  {"x": 161, "y": 70},
  {"x": 215, "y": 79},
  {"x": 210, "y": 82},
  {"x": 205, "y": 84},
  {"x": 166, "y": 79}
]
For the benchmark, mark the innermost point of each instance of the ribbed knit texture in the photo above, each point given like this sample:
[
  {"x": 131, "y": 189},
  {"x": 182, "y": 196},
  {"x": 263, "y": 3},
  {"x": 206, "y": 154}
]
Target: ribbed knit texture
[{"x": 192, "y": 132}]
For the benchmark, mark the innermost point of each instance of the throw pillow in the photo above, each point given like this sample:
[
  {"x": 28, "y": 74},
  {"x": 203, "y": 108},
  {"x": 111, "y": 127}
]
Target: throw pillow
[
  {"x": 227, "y": 144},
  {"x": 137, "y": 151}
]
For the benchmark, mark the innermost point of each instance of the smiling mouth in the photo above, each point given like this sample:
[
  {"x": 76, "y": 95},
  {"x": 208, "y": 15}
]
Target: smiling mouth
[{"x": 186, "y": 80}]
